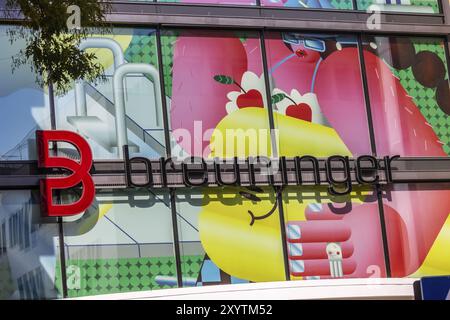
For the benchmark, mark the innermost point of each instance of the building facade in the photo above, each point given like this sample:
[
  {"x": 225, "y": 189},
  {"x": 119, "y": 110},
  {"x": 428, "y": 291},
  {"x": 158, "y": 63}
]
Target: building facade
[{"x": 223, "y": 79}]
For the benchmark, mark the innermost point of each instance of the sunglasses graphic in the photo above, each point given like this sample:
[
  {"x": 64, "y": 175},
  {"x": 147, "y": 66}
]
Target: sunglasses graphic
[{"x": 314, "y": 43}]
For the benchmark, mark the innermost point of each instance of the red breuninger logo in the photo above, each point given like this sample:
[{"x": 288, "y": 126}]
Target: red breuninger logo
[{"x": 80, "y": 173}]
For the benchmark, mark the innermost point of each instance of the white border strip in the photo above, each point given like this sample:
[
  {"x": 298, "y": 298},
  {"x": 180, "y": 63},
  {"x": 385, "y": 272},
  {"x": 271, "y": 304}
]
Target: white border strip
[{"x": 371, "y": 288}]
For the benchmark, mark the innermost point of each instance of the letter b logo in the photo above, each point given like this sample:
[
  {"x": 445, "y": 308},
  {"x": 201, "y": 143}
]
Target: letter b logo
[{"x": 79, "y": 173}]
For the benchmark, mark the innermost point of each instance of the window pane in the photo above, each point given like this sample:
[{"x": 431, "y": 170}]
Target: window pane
[
  {"x": 216, "y": 93},
  {"x": 333, "y": 237},
  {"x": 89, "y": 108},
  {"x": 410, "y": 118},
  {"x": 29, "y": 250},
  {"x": 230, "y": 236},
  {"x": 24, "y": 103},
  {"x": 418, "y": 229},
  {"x": 123, "y": 243},
  {"x": 409, "y": 95},
  {"x": 316, "y": 84}
]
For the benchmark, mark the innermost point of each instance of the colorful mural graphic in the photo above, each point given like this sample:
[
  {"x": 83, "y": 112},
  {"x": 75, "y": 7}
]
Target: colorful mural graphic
[
  {"x": 321, "y": 115},
  {"x": 215, "y": 82}
]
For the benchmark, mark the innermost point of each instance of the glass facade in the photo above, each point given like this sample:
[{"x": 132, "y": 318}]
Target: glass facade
[
  {"x": 29, "y": 259},
  {"x": 183, "y": 90}
]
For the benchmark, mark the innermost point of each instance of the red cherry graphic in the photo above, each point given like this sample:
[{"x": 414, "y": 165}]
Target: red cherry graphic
[
  {"x": 301, "y": 111},
  {"x": 252, "y": 98}
]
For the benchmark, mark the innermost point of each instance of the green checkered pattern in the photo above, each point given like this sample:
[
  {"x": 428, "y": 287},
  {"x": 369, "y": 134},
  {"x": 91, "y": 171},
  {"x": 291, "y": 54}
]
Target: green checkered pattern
[
  {"x": 168, "y": 41},
  {"x": 107, "y": 276},
  {"x": 191, "y": 266},
  {"x": 142, "y": 49},
  {"x": 342, "y": 4},
  {"x": 424, "y": 97},
  {"x": 427, "y": 3},
  {"x": 364, "y": 4}
]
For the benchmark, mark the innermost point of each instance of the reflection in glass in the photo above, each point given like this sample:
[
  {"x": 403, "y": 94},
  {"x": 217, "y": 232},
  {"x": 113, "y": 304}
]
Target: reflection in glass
[
  {"x": 91, "y": 108},
  {"x": 230, "y": 236},
  {"x": 29, "y": 250},
  {"x": 123, "y": 243},
  {"x": 24, "y": 103},
  {"x": 408, "y": 90}
]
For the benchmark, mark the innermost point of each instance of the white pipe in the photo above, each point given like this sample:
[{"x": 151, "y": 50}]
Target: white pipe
[
  {"x": 119, "y": 98},
  {"x": 99, "y": 43}
]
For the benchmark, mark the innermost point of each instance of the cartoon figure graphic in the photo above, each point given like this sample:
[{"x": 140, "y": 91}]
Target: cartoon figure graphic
[{"x": 334, "y": 252}]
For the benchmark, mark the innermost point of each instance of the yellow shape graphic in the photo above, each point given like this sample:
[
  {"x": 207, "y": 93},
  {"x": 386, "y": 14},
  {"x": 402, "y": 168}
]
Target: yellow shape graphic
[
  {"x": 254, "y": 252},
  {"x": 437, "y": 261},
  {"x": 105, "y": 56},
  {"x": 93, "y": 219},
  {"x": 244, "y": 251},
  {"x": 245, "y": 133}
]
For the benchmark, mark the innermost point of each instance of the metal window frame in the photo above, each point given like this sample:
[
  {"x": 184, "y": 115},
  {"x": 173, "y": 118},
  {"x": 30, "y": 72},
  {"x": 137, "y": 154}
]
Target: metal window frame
[
  {"x": 365, "y": 84},
  {"x": 210, "y": 15},
  {"x": 181, "y": 14},
  {"x": 172, "y": 191}
]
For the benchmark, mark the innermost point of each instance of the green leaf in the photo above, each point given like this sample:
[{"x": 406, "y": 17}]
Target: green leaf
[
  {"x": 224, "y": 79},
  {"x": 278, "y": 97}
]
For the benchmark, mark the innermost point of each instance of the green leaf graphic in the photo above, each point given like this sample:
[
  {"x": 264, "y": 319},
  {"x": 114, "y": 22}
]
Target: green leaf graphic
[
  {"x": 224, "y": 79},
  {"x": 278, "y": 97}
]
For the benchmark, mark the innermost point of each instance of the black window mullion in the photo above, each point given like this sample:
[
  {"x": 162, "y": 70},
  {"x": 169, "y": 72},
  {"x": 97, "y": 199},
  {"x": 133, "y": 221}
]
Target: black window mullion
[
  {"x": 172, "y": 191},
  {"x": 62, "y": 255},
  {"x": 378, "y": 188},
  {"x": 279, "y": 195}
]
